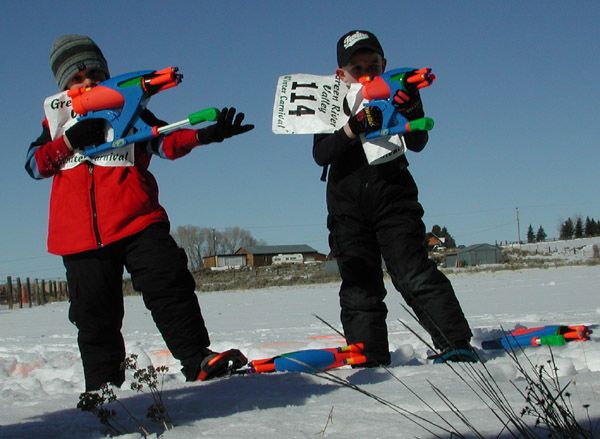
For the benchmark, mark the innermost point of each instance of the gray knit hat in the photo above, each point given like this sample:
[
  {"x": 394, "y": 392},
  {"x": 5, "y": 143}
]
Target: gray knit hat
[{"x": 71, "y": 54}]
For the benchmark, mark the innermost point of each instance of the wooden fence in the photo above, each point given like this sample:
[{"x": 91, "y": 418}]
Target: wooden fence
[{"x": 16, "y": 293}]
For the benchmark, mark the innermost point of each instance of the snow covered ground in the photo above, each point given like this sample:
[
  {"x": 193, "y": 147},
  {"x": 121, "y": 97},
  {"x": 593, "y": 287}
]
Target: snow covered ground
[
  {"x": 566, "y": 250},
  {"x": 41, "y": 375}
]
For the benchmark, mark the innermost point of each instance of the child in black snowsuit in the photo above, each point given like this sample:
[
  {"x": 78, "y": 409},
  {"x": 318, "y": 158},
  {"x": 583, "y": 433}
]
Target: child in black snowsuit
[{"x": 373, "y": 211}]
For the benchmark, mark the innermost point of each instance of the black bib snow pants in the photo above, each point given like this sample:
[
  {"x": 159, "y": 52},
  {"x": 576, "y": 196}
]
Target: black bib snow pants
[
  {"x": 158, "y": 268},
  {"x": 373, "y": 213}
]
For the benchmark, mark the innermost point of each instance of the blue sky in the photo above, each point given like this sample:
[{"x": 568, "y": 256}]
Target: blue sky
[{"x": 515, "y": 106}]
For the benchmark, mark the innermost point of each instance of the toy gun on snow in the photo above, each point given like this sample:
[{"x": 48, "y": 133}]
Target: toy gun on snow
[
  {"x": 121, "y": 100},
  {"x": 552, "y": 335},
  {"x": 380, "y": 91},
  {"x": 310, "y": 360}
]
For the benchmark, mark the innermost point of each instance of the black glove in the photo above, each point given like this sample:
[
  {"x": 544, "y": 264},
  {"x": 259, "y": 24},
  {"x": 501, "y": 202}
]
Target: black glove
[
  {"x": 88, "y": 132},
  {"x": 366, "y": 120},
  {"x": 225, "y": 127},
  {"x": 408, "y": 103}
]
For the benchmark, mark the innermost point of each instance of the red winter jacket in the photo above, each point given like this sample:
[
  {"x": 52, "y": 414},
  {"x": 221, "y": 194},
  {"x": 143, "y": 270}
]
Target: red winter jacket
[{"x": 92, "y": 206}]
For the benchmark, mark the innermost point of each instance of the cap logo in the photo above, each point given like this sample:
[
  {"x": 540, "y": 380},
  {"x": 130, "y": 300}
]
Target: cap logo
[{"x": 351, "y": 40}]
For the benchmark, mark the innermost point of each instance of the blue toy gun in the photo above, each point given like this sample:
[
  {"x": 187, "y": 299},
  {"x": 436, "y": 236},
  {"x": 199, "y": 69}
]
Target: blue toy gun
[
  {"x": 121, "y": 100},
  {"x": 311, "y": 360},
  {"x": 380, "y": 91},
  {"x": 551, "y": 335}
]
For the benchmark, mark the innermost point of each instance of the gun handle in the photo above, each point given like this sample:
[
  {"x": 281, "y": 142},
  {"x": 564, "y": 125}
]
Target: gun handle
[
  {"x": 206, "y": 115},
  {"x": 422, "y": 124},
  {"x": 549, "y": 340}
]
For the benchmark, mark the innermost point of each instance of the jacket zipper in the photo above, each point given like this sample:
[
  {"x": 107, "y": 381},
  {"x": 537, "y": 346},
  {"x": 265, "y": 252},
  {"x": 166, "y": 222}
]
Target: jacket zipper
[{"x": 94, "y": 212}]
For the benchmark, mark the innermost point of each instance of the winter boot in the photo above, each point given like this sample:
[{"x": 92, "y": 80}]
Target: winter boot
[
  {"x": 460, "y": 352},
  {"x": 219, "y": 364}
]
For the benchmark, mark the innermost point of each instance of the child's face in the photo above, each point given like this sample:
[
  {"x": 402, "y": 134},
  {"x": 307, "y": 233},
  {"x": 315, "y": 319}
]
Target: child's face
[
  {"x": 362, "y": 63},
  {"x": 86, "y": 78}
]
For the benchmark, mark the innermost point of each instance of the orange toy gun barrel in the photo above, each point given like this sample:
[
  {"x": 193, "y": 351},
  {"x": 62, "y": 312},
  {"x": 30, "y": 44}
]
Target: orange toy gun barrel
[
  {"x": 378, "y": 87},
  {"x": 355, "y": 347},
  {"x": 421, "y": 78},
  {"x": 576, "y": 332},
  {"x": 162, "y": 80}
]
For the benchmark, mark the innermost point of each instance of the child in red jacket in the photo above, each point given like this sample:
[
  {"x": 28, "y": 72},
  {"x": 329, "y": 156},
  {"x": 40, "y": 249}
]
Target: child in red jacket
[{"x": 105, "y": 216}]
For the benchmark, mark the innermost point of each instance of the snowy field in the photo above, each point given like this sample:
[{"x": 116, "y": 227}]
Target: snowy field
[
  {"x": 570, "y": 249},
  {"x": 41, "y": 375}
]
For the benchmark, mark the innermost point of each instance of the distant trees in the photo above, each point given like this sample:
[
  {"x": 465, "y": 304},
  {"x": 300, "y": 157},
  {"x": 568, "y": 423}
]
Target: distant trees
[
  {"x": 578, "y": 228},
  {"x": 232, "y": 238},
  {"x": 540, "y": 236},
  {"x": 566, "y": 229},
  {"x": 194, "y": 241},
  {"x": 591, "y": 228},
  {"x": 204, "y": 241},
  {"x": 530, "y": 234},
  {"x": 570, "y": 229}
]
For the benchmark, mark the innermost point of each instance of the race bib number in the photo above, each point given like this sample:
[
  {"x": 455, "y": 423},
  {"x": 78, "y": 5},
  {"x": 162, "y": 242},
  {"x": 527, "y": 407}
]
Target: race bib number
[
  {"x": 60, "y": 116},
  {"x": 313, "y": 104},
  {"x": 309, "y": 104}
]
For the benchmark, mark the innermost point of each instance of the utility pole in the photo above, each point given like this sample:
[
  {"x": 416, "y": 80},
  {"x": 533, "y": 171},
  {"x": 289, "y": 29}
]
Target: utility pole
[
  {"x": 214, "y": 240},
  {"x": 518, "y": 229}
]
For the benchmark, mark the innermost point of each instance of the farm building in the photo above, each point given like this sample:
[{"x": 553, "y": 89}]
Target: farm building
[
  {"x": 477, "y": 254},
  {"x": 434, "y": 242},
  {"x": 224, "y": 261},
  {"x": 261, "y": 255}
]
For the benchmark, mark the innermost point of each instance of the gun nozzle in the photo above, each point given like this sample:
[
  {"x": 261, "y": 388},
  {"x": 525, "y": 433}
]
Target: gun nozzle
[{"x": 162, "y": 79}]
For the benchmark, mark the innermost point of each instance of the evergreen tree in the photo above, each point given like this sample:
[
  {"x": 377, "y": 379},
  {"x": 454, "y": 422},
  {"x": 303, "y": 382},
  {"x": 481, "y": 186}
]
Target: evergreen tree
[
  {"x": 530, "y": 235},
  {"x": 578, "y": 228},
  {"x": 567, "y": 229},
  {"x": 587, "y": 227},
  {"x": 541, "y": 235},
  {"x": 591, "y": 227}
]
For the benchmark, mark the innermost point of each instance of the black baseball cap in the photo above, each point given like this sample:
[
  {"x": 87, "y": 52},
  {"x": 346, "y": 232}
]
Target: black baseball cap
[{"x": 354, "y": 41}]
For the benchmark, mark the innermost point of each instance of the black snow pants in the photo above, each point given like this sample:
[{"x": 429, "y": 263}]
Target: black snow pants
[
  {"x": 158, "y": 268},
  {"x": 373, "y": 214}
]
